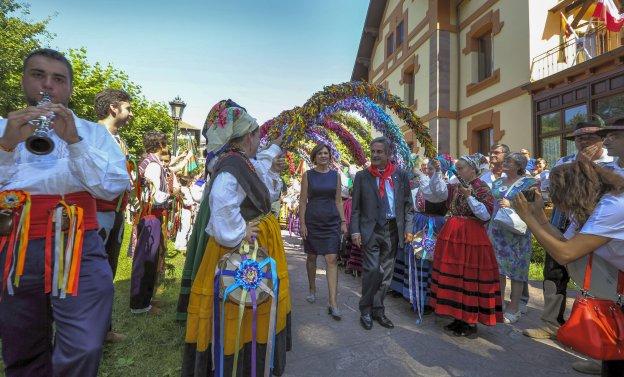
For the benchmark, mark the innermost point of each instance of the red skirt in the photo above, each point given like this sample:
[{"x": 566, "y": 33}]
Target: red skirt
[{"x": 465, "y": 278}]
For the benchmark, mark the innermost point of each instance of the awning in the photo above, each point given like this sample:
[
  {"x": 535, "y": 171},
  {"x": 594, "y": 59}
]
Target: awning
[{"x": 571, "y": 10}]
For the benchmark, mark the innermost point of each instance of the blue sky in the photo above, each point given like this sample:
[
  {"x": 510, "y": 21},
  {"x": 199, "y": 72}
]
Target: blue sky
[{"x": 267, "y": 55}]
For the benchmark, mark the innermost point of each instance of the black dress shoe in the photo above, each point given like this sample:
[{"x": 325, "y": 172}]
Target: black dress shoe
[
  {"x": 366, "y": 321},
  {"x": 453, "y": 326},
  {"x": 467, "y": 331},
  {"x": 384, "y": 321}
]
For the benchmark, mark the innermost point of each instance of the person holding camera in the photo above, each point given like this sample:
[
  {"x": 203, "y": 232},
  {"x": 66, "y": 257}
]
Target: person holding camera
[
  {"x": 512, "y": 247},
  {"x": 593, "y": 197},
  {"x": 589, "y": 144}
]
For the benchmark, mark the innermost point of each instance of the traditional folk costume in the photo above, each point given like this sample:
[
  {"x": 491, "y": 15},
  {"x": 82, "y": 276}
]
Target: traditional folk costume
[
  {"x": 428, "y": 221},
  {"x": 465, "y": 277},
  {"x": 241, "y": 190},
  {"x": 191, "y": 198},
  {"x": 54, "y": 266},
  {"x": 148, "y": 255}
]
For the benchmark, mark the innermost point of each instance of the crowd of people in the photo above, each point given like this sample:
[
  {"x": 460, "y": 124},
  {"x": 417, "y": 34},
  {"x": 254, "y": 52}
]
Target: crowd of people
[{"x": 446, "y": 236}]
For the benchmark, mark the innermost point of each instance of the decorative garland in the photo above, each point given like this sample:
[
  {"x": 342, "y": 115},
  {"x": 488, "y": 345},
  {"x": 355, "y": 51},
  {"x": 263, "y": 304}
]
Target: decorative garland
[
  {"x": 348, "y": 140},
  {"x": 299, "y": 119},
  {"x": 380, "y": 120},
  {"x": 360, "y": 129}
]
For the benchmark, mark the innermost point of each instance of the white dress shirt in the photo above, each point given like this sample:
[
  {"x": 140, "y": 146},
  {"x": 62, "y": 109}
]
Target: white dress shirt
[
  {"x": 226, "y": 223},
  {"x": 95, "y": 164}
]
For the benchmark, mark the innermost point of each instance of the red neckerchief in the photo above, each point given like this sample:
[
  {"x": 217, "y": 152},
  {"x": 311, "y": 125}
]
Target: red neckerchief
[{"x": 383, "y": 177}]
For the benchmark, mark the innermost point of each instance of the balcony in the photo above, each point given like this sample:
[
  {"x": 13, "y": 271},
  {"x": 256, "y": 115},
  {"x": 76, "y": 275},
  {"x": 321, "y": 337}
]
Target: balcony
[{"x": 574, "y": 52}]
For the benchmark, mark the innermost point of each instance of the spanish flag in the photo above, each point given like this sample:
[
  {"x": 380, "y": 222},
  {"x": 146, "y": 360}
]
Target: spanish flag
[{"x": 607, "y": 11}]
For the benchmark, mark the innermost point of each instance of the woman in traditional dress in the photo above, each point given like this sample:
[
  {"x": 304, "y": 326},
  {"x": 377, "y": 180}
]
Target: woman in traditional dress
[
  {"x": 428, "y": 221},
  {"x": 465, "y": 278},
  {"x": 243, "y": 187},
  {"x": 513, "y": 250},
  {"x": 321, "y": 221}
]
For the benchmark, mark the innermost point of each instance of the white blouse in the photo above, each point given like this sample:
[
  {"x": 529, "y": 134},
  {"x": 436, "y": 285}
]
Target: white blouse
[
  {"x": 226, "y": 223},
  {"x": 152, "y": 174},
  {"x": 439, "y": 191},
  {"x": 95, "y": 164}
]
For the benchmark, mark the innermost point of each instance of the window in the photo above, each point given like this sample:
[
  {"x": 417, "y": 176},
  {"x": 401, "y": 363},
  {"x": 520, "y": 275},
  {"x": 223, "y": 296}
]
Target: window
[
  {"x": 390, "y": 44},
  {"x": 550, "y": 122},
  {"x": 551, "y": 149},
  {"x": 574, "y": 115},
  {"x": 486, "y": 140},
  {"x": 408, "y": 88},
  {"x": 399, "y": 34},
  {"x": 484, "y": 57},
  {"x": 553, "y": 127},
  {"x": 610, "y": 107}
]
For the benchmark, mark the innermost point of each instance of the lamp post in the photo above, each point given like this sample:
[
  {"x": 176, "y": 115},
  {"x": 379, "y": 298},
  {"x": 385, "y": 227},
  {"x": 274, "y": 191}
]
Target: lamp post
[{"x": 177, "y": 108}]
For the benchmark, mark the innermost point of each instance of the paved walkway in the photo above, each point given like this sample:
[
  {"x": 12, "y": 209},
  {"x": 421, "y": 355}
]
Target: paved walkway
[{"x": 324, "y": 347}]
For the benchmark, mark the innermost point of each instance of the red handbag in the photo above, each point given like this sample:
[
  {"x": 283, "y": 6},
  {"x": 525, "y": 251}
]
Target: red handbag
[{"x": 596, "y": 326}]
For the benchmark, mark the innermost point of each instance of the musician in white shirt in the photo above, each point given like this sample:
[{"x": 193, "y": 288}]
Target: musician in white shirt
[{"x": 84, "y": 163}]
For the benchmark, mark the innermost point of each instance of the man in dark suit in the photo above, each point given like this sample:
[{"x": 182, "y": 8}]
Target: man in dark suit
[{"x": 381, "y": 221}]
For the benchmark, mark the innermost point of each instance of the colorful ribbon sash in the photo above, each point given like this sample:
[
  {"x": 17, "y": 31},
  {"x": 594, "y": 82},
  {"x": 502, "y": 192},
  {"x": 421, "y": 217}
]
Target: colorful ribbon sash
[{"x": 19, "y": 204}]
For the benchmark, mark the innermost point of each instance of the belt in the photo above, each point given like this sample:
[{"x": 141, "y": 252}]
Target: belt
[{"x": 39, "y": 216}]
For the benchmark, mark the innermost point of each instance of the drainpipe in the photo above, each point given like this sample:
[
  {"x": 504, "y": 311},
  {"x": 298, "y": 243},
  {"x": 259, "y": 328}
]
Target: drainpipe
[{"x": 458, "y": 93}]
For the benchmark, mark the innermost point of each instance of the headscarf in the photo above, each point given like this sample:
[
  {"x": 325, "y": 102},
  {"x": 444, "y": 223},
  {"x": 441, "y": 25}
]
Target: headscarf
[
  {"x": 474, "y": 160},
  {"x": 226, "y": 121},
  {"x": 445, "y": 162}
]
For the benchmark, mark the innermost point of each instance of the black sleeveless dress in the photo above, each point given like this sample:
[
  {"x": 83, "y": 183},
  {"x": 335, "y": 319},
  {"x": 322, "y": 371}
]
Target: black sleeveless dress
[{"x": 322, "y": 218}]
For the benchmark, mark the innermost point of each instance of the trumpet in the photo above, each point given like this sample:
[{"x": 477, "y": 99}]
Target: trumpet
[{"x": 40, "y": 142}]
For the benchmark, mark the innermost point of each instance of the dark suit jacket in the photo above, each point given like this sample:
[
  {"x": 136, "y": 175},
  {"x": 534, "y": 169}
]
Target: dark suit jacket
[{"x": 366, "y": 208}]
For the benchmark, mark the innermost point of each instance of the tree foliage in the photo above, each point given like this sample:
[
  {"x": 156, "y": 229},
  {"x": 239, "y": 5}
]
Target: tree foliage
[
  {"x": 90, "y": 79},
  {"x": 18, "y": 37}
]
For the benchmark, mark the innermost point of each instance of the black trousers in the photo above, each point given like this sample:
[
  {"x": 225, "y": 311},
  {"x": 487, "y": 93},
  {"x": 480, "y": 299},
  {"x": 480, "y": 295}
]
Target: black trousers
[{"x": 377, "y": 267}]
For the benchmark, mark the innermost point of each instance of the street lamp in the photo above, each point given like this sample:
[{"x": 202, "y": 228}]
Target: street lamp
[{"x": 177, "y": 108}]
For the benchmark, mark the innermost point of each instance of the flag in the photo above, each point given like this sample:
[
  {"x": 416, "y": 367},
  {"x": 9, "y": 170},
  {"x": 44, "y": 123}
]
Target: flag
[
  {"x": 607, "y": 11},
  {"x": 565, "y": 26}
]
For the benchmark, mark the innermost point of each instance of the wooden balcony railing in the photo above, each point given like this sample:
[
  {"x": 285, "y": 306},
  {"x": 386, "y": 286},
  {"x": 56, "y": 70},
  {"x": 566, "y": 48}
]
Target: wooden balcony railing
[{"x": 574, "y": 51}]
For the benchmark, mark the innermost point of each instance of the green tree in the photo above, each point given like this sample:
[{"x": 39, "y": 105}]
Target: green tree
[
  {"x": 90, "y": 79},
  {"x": 17, "y": 38}
]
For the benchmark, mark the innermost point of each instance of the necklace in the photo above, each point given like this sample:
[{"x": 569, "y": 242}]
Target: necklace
[{"x": 235, "y": 151}]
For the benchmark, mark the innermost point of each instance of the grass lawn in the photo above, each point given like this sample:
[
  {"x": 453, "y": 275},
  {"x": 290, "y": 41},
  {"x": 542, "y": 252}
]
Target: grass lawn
[{"x": 154, "y": 343}]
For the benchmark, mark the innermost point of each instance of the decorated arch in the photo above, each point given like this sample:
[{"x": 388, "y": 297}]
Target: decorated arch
[{"x": 326, "y": 110}]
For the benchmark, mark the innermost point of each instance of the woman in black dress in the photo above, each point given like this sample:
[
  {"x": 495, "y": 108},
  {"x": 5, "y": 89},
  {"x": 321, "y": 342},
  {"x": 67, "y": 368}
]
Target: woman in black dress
[{"x": 321, "y": 222}]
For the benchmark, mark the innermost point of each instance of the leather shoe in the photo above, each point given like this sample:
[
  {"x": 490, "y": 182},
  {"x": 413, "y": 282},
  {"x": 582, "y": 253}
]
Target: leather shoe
[
  {"x": 366, "y": 321},
  {"x": 384, "y": 321}
]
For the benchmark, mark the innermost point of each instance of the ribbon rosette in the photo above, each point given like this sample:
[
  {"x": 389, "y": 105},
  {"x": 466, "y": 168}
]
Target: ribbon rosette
[
  {"x": 12, "y": 199},
  {"x": 248, "y": 274}
]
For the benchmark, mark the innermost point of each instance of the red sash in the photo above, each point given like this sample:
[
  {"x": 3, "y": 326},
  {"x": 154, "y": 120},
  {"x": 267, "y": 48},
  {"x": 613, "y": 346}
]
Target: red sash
[{"x": 42, "y": 205}]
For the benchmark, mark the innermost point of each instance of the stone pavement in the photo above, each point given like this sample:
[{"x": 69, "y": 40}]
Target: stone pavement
[{"x": 324, "y": 347}]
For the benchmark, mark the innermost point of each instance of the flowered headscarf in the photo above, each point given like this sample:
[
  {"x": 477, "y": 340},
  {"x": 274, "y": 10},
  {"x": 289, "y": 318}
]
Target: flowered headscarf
[{"x": 226, "y": 121}]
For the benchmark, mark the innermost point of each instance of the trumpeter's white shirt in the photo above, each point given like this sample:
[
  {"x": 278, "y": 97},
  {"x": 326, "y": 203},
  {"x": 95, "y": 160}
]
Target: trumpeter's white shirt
[{"x": 95, "y": 164}]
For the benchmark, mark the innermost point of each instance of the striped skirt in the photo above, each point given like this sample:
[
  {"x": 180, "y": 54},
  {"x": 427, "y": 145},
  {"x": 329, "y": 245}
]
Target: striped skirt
[{"x": 465, "y": 278}]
